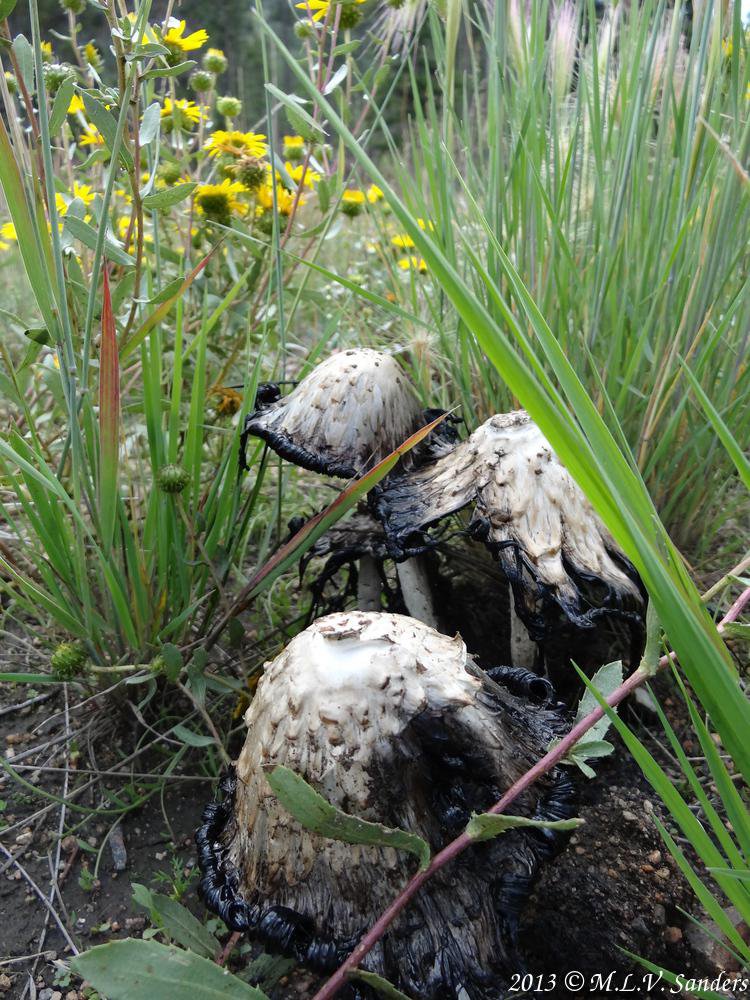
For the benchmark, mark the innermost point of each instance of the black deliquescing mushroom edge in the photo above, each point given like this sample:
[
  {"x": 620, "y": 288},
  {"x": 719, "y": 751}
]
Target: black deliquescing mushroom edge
[
  {"x": 289, "y": 932},
  {"x": 279, "y": 928}
]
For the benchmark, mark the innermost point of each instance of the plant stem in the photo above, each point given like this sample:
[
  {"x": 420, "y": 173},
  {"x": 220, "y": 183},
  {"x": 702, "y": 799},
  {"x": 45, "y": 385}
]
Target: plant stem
[{"x": 460, "y": 844}]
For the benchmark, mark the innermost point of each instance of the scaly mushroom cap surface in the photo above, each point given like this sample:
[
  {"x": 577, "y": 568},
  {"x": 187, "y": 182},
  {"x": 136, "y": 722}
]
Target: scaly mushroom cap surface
[
  {"x": 528, "y": 510},
  {"x": 350, "y": 412},
  {"x": 391, "y": 722}
]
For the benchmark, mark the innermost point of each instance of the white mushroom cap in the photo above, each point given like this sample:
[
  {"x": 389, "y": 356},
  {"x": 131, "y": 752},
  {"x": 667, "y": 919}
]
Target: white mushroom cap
[
  {"x": 350, "y": 412},
  {"x": 391, "y": 722},
  {"x": 528, "y": 509}
]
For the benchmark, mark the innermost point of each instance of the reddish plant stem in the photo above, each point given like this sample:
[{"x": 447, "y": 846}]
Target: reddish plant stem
[{"x": 460, "y": 844}]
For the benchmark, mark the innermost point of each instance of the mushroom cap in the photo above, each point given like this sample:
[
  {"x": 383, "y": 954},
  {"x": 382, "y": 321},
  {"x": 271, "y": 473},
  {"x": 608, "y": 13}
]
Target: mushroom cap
[
  {"x": 527, "y": 509},
  {"x": 391, "y": 722},
  {"x": 349, "y": 413}
]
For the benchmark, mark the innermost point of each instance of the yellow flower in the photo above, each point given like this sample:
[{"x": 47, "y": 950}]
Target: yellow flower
[
  {"x": 93, "y": 57},
  {"x": 47, "y": 49},
  {"x": 228, "y": 400},
  {"x": 60, "y": 204},
  {"x": 284, "y": 199},
  {"x": 311, "y": 178},
  {"x": 317, "y": 9},
  {"x": 180, "y": 114},
  {"x": 292, "y": 142},
  {"x": 91, "y": 136},
  {"x": 175, "y": 38},
  {"x": 237, "y": 143},
  {"x": 374, "y": 194},
  {"x": 413, "y": 263},
  {"x": 403, "y": 241},
  {"x": 8, "y": 232},
  {"x": 84, "y": 192},
  {"x": 425, "y": 225},
  {"x": 353, "y": 196},
  {"x": 76, "y": 105},
  {"x": 218, "y": 201}
]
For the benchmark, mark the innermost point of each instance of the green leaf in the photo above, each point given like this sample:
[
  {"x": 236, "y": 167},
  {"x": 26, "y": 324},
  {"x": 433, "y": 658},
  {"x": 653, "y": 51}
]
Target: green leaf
[
  {"x": 7, "y": 7},
  {"x": 731, "y": 444},
  {"x": 314, "y": 813},
  {"x": 151, "y": 124},
  {"x": 300, "y": 120},
  {"x": 737, "y": 630},
  {"x": 25, "y": 57},
  {"x": 179, "y": 923},
  {"x": 29, "y": 679},
  {"x": 606, "y": 681},
  {"x": 109, "y": 421},
  {"x": 486, "y": 826},
  {"x": 377, "y": 983},
  {"x": 145, "y": 970},
  {"x": 82, "y": 231},
  {"x": 169, "y": 196},
  {"x": 172, "y": 660},
  {"x": 107, "y": 125},
  {"x": 192, "y": 739},
  {"x": 183, "y": 67},
  {"x": 61, "y": 105}
]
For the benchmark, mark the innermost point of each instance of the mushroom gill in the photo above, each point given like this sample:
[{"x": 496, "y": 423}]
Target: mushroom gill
[{"x": 390, "y": 721}]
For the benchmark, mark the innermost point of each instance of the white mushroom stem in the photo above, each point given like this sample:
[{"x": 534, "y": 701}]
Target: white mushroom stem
[
  {"x": 416, "y": 591},
  {"x": 523, "y": 649},
  {"x": 368, "y": 584}
]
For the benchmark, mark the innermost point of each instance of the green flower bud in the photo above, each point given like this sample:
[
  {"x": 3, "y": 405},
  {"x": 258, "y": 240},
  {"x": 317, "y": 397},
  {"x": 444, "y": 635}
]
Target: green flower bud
[
  {"x": 55, "y": 75},
  {"x": 170, "y": 173},
  {"x": 75, "y": 6},
  {"x": 201, "y": 81},
  {"x": 11, "y": 82},
  {"x": 229, "y": 107},
  {"x": 68, "y": 660},
  {"x": 251, "y": 171},
  {"x": 215, "y": 61},
  {"x": 351, "y": 15},
  {"x": 173, "y": 479},
  {"x": 303, "y": 30}
]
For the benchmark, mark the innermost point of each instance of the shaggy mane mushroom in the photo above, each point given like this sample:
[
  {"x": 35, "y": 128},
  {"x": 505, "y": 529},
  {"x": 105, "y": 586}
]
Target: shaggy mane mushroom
[
  {"x": 531, "y": 514},
  {"x": 390, "y": 721}
]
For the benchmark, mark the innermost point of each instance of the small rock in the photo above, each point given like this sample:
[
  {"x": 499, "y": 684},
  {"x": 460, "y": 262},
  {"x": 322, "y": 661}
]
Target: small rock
[
  {"x": 629, "y": 816},
  {"x": 72, "y": 995},
  {"x": 69, "y": 844},
  {"x": 710, "y": 950},
  {"x": 640, "y": 927},
  {"x": 655, "y": 857},
  {"x": 663, "y": 874},
  {"x": 672, "y": 935},
  {"x": 160, "y": 855},
  {"x": 648, "y": 806},
  {"x": 5, "y": 983},
  {"x": 25, "y": 837}
]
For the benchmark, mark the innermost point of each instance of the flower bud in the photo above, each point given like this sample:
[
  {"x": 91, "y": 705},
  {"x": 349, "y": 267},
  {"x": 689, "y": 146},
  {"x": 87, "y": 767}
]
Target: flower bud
[
  {"x": 68, "y": 660},
  {"x": 173, "y": 478},
  {"x": 229, "y": 107}
]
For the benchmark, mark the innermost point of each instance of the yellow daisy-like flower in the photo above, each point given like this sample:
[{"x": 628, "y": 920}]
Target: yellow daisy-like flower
[
  {"x": 180, "y": 114},
  {"x": 413, "y": 263},
  {"x": 8, "y": 232},
  {"x": 93, "y": 56},
  {"x": 293, "y": 142},
  {"x": 284, "y": 199},
  {"x": 236, "y": 143},
  {"x": 374, "y": 194},
  {"x": 218, "y": 201},
  {"x": 60, "y": 204},
  {"x": 352, "y": 202},
  {"x": 84, "y": 192},
  {"x": 177, "y": 39},
  {"x": 91, "y": 136},
  {"x": 47, "y": 49},
  {"x": 311, "y": 177},
  {"x": 76, "y": 105},
  {"x": 317, "y": 9},
  {"x": 403, "y": 241}
]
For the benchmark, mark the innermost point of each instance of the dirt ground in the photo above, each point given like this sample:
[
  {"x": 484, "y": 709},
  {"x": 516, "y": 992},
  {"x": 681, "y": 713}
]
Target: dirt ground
[{"x": 615, "y": 887}]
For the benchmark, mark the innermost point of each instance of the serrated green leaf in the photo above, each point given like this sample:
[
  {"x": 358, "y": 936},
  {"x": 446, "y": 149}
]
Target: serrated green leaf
[
  {"x": 314, "y": 813},
  {"x": 179, "y": 923},
  {"x": 486, "y": 826},
  {"x": 301, "y": 121},
  {"x": 169, "y": 196},
  {"x": 145, "y": 970}
]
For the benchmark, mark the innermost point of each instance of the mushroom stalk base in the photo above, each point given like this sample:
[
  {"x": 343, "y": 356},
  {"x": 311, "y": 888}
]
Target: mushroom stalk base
[
  {"x": 523, "y": 649},
  {"x": 416, "y": 591},
  {"x": 369, "y": 585}
]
